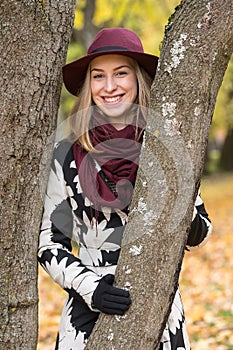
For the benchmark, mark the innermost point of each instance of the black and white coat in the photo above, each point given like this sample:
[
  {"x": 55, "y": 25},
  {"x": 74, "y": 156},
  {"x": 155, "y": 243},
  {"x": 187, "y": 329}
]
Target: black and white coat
[{"x": 68, "y": 220}]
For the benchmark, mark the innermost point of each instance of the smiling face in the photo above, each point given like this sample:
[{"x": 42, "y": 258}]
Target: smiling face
[{"x": 113, "y": 86}]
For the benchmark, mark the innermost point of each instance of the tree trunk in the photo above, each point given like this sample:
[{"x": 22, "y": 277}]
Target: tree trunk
[
  {"x": 34, "y": 41},
  {"x": 85, "y": 35},
  {"x": 226, "y": 159},
  {"x": 197, "y": 46}
]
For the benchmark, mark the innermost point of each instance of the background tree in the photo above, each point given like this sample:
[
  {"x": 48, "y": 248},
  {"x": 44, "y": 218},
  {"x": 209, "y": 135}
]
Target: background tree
[
  {"x": 34, "y": 40},
  {"x": 194, "y": 58},
  {"x": 225, "y": 110},
  {"x": 219, "y": 155}
]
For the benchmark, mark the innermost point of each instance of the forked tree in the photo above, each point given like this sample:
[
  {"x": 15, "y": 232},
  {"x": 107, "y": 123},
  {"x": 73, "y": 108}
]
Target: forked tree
[{"x": 197, "y": 45}]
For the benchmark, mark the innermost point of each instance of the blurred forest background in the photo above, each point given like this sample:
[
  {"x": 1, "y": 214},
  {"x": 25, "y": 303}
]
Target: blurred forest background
[{"x": 206, "y": 279}]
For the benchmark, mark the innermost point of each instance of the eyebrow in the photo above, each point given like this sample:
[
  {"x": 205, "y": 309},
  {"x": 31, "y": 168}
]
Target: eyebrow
[{"x": 119, "y": 67}]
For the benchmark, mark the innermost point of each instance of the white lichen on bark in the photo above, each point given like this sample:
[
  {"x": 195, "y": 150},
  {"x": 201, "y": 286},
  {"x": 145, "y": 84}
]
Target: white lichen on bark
[
  {"x": 135, "y": 250},
  {"x": 177, "y": 53},
  {"x": 168, "y": 109}
]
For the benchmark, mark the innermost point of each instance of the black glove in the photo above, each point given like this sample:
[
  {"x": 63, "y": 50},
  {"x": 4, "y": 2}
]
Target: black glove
[{"x": 109, "y": 299}]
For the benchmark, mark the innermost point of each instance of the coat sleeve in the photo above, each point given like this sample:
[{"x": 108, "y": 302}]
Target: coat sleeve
[
  {"x": 201, "y": 227},
  {"x": 55, "y": 248}
]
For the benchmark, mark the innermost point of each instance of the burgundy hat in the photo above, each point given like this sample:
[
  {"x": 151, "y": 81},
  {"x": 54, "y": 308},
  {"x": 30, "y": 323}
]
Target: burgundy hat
[{"x": 108, "y": 41}]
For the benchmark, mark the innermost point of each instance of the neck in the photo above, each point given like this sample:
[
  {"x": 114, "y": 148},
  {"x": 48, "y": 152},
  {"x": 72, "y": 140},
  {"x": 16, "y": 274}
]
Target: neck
[{"x": 119, "y": 126}]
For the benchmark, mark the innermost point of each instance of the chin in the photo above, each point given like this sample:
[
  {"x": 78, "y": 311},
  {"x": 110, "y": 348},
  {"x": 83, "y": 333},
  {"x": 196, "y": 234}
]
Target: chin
[{"x": 115, "y": 112}]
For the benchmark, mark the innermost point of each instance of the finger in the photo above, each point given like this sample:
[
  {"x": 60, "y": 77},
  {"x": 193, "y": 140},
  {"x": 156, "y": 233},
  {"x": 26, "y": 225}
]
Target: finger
[
  {"x": 116, "y": 306},
  {"x": 118, "y": 291},
  {"x": 117, "y": 299},
  {"x": 113, "y": 312}
]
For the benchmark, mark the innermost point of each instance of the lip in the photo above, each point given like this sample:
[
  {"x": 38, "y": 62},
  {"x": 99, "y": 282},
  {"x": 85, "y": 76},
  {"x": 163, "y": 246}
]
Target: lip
[{"x": 112, "y": 99}]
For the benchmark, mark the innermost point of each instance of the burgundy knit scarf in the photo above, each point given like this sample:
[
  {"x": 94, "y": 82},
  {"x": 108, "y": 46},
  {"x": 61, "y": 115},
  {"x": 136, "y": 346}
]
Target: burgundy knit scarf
[{"x": 116, "y": 162}]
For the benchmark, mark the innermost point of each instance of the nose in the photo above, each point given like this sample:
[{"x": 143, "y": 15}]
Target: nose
[{"x": 110, "y": 84}]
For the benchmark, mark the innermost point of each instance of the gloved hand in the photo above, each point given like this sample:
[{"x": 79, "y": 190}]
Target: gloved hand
[{"x": 109, "y": 299}]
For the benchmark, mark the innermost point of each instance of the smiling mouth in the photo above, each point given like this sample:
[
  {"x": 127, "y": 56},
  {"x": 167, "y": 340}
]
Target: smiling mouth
[{"x": 113, "y": 99}]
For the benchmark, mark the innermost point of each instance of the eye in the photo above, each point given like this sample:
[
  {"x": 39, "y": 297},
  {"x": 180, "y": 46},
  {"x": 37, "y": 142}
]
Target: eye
[
  {"x": 97, "y": 76},
  {"x": 121, "y": 73}
]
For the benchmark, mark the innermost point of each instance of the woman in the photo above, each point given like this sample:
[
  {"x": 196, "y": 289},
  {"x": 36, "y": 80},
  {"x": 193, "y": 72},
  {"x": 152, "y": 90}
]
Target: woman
[{"x": 91, "y": 182}]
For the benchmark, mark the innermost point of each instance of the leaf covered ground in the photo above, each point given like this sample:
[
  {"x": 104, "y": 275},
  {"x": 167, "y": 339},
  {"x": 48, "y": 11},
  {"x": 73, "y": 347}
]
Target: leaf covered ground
[
  {"x": 207, "y": 278},
  {"x": 206, "y": 281}
]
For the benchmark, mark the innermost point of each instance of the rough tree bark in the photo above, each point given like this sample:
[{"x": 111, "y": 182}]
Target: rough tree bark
[
  {"x": 34, "y": 40},
  {"x": 197, "y": 46}
]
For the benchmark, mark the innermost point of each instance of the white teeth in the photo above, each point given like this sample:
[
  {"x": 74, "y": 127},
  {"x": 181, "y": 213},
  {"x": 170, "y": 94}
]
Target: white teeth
[{"x": 112, "y": 99}]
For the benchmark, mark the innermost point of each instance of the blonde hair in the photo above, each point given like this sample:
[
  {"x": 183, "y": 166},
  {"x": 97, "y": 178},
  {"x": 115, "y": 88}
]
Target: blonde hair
[{"x": 80, "y": 116}]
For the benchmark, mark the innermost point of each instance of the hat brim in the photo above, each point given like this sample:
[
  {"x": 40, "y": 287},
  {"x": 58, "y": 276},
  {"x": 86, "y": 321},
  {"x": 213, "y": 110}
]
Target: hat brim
[{"x": 74, "y": 73}]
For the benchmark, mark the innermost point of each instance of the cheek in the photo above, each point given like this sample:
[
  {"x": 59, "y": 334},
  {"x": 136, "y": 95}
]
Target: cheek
[
  {"x": 92, "y": 89},
  {"x": 94, "y": 92},
  {"x": 134, "y": 89}
]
